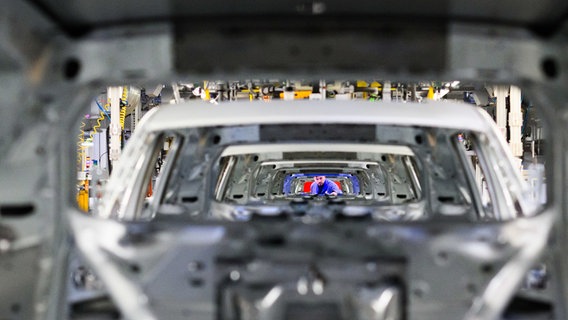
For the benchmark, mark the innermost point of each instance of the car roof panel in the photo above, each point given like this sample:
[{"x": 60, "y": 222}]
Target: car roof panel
[{"x": 431, "y": 114}]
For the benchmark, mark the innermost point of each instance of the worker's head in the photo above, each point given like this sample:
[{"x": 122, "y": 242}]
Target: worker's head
[{"x": 319, "y": 180}]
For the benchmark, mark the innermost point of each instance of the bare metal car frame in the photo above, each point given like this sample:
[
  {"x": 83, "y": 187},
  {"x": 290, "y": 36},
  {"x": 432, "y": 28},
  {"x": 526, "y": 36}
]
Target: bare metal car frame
[
  {"x": 311, "y": 256},
  {"x": 49, "y": 74}
]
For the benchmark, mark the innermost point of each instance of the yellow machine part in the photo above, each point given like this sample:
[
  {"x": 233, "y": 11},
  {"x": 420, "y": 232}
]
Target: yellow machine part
[
  {"x": 83, "y": 198},
  {"x": 364, "y": 84},
  {"x": 430, "y": 94},
  {"x": 375, "y": 84},
  {"x": 300, "y": 94},
  {"x": 255, "y": 90}
]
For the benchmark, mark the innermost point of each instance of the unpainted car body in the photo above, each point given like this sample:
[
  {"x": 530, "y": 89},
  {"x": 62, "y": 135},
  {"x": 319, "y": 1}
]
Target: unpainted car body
[
  {"x": 56, "y": 55},
  {"x": 348, "y": 257}
]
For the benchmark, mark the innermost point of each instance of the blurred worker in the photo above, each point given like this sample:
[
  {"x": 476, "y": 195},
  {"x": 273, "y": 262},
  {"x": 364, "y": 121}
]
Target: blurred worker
[{"x": 322, "y": 186}]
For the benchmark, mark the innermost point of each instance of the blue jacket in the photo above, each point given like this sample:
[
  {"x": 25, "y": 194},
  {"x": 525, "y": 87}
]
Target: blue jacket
[{"x": 327, "y": 187}]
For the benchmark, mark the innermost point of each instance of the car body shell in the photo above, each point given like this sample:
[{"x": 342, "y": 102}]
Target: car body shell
[{"x": 413, "y": 247}]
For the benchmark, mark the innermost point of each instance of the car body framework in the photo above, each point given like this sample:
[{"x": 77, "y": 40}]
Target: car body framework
[{"x": 54, "y": 57}]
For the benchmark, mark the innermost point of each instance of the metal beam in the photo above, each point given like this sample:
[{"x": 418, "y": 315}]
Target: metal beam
[{"x": 515, "y": 121}]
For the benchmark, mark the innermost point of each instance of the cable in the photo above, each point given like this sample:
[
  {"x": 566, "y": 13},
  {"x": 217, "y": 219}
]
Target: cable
[
  {"x": 124, "y": 104},
  {"x": 101, "y": 156},
  {"x": 102, "y": 113},
  {"x": 124, "y": 98},
  {"x": 98, "y": 125},
  {"x": 122, "y": 117},
  {"x": 80, "y": 146},
  {"x": 103, "y": 109}
]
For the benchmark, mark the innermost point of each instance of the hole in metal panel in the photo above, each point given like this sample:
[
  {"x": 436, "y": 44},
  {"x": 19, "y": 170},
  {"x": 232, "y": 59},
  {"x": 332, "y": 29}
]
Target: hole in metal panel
[
  {"x": 71, "y": 68},
  {"x": 418, "y": 139},
  {"x": 189, "y": 199},
  {"x": 134, "y": 268},
  {"x": 486, "y": 268},
  {"x": 13, "y": 211},
  {"x": 550, "y": 68},
  {"x": 446, "y": 199}
]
